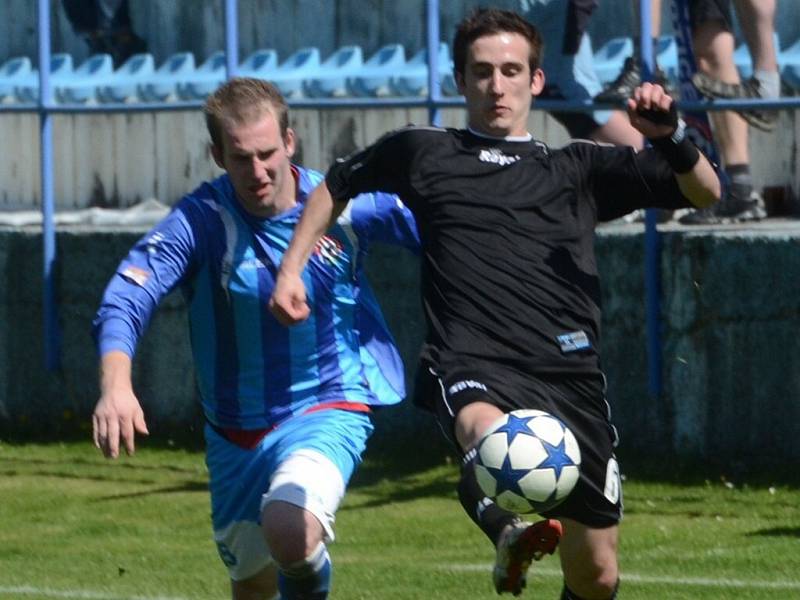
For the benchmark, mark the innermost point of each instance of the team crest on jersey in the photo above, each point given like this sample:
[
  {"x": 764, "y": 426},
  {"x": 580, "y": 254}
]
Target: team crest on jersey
[
  {"x": 330, "y": 250},
  {"x": 493, "y": 155}
]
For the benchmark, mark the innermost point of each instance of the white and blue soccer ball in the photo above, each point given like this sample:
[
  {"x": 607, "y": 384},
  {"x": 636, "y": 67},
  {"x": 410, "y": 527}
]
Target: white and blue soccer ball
[{"x": 528, "y": 461}]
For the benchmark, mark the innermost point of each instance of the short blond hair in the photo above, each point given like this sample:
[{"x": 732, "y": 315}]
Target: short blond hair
[{"x": 243, "y": 99}]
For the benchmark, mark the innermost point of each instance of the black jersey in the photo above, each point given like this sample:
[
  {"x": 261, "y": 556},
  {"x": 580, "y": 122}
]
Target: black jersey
[{"x": 507, "y": 230}]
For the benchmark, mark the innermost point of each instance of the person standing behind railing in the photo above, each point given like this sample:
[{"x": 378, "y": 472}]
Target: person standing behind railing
[
  {"x": 714, "y": 44},
  {"x": 568, "y": 62},
  {"x": 106, "y": 27}
]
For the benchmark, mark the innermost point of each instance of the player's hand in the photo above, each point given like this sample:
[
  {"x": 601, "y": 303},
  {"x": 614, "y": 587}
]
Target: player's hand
[
  {"x": 288, "y": 303},
  {"x": 652, "y": 111},
  {"x": 117, "y": 417}
]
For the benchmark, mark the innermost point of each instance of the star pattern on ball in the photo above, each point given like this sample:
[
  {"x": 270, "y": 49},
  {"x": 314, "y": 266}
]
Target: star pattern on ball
[
  {"x": 507, "y": 478},
  {"x": 515, "y": 426},
  {"x": 557, "y": 458}
]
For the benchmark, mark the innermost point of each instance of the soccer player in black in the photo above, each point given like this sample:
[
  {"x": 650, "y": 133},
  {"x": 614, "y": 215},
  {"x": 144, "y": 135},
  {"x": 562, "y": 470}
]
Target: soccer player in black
[{"x": 510, "y": 285}]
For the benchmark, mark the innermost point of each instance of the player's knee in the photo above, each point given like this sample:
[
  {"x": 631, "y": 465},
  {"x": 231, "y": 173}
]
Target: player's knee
[
  {"x": 292, "y": 534},
  {"x": 593, "y": 584}
]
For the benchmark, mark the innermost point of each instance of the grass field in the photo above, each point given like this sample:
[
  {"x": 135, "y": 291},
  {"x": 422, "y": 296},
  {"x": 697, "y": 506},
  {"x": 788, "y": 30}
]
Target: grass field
[{"x": 73, "y": 525}]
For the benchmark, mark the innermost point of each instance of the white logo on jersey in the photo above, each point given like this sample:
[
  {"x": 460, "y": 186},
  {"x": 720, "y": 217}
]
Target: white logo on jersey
[
  {"x": 612, "y": 488},
  {"x": 493, "y": 155},
  {"x": 464, "y": 385}
]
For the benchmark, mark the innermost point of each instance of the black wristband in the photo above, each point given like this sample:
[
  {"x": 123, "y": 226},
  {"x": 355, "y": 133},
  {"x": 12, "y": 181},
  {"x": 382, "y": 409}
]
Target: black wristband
[{"x": 678, "y": 150}]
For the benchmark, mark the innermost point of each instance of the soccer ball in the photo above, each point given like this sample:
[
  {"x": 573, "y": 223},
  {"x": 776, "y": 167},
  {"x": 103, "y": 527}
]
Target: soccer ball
[{"x": 528, "y": 461}]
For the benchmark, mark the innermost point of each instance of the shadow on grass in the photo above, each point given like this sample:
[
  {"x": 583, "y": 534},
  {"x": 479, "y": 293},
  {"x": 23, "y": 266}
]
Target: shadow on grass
[
  {"x": 187, "y": 487},
  {"x": 776, "y": 532}
]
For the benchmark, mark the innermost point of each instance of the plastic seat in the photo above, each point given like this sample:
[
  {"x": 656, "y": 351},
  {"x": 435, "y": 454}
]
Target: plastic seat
[
  {"x": 789, "y": 61},
  {"x": 80, "y": 85},
  {"x": 331, "y": 80},
  {"x": 27, "y": 89},
  {"x": 667, "y": 56},
  {"x": 122, "y": 85},
  {"x": 609, "y": 58},
  {"x": 208, "y": 77},
  {"x": 289, "y": 76},
  {"x": 412, "y": 80},
  {"x": 741, "y": 56},
  {"x": 11, "y": 72},
  {"x": 162, "y": 85},
  {"x": 373, "y": 78},
  {"x": 261, "y": 64}
]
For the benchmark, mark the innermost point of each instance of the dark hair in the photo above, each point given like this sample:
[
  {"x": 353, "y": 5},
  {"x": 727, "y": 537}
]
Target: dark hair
[
  {"x": 489, "y": 21},
  {"x": 244, "y": 99}
]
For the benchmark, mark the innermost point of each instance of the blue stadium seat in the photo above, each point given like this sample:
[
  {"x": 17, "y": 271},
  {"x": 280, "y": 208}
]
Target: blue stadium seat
[
  {"x": 789, "y": 60},
  {"x": 122, "y": 85},
  {"x": 373, "y": 78},
  {"x": 162, "y": 85},
  {"x": 27, "y": 89},
  {"x": 331, "y": 80},
  {"x": 207, "y": 78},
  {"x": 667, "y": 56},
  {"x": 79, "y": 86},
  {"x": 741, "y": 56},
  {"x": 261, "y": 64},
  {"x": 609, "y": 58},
  {"x": 289, "y": 76},
  {"x": 10, "y": 73},
  {"x": 412, "y": 79}
]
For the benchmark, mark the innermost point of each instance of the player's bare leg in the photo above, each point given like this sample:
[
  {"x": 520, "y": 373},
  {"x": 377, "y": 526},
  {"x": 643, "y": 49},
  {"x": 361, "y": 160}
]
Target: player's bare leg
[
  {"x": 295, "y": 539},
  {"x": 518, "y": 543},
  {"x": 262, "y": 586},
  {"x": 589, "y": 560}
]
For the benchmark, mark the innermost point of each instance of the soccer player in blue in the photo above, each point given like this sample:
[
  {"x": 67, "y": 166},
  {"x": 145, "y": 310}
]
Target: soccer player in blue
[{"x": 287, "y": 410}]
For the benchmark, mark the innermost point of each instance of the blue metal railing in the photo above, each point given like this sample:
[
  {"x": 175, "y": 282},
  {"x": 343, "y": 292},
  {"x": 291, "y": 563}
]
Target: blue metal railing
[{"x": 433, "y": 102}]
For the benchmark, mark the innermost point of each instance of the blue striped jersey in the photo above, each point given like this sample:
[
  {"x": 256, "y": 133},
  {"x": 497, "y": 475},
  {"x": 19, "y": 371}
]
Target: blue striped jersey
[{"x": 253, "y": 372}]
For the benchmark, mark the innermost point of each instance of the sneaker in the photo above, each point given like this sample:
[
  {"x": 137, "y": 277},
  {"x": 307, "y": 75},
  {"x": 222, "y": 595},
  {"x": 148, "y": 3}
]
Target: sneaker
[
  {"x": 618, "y": 91},
  {"x": 747, "y": 90},
  {"x": 519, "y": 544},
  {"x": 728, "y": 210}
]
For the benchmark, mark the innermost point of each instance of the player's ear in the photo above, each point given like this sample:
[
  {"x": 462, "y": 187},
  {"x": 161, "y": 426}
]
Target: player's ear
[
  {"x": 537, "y": 82},
  {"x": 216, "y": 152},
  {"x": 459, "y": 77},
  {"x": 290, "y": 141}
]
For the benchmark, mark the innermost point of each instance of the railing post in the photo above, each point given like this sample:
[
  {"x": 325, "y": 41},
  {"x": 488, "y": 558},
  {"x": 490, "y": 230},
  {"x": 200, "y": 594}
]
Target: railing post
[
  {"x": 52, "y": 332},
  {"x": 652, "y": 240},
  {"x": 231, "y": 38},
  {"x": 434, "y": 85}
]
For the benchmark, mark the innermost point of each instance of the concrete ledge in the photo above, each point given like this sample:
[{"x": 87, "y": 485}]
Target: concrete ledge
[{"x": 731, "y": 313}]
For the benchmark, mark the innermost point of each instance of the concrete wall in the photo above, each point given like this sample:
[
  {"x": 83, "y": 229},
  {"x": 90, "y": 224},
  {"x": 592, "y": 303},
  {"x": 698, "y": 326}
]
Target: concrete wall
[{"x": 731, "y": 315}]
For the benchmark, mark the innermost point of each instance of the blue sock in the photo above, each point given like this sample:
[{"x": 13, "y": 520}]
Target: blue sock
[{"x": 309, "y": 579}]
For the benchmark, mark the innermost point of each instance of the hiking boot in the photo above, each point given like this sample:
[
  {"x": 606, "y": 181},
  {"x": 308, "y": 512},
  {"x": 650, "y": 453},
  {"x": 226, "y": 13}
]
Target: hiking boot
[
  {"x": 618, "y": 91},
  {"x": 519, "y": 544},
  {"x": 728, "y": 210},
  {"x": 749, "y": 89}
]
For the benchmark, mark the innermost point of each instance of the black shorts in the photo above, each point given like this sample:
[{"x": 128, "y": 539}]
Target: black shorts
[
  {"x": 578, "y": 400},
  {"x": 702, "y": 11}
]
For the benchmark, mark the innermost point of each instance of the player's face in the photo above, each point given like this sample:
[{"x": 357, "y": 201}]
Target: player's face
[
  {"x": 257, "y": 160},
  {"x": 498, "y": 85}
]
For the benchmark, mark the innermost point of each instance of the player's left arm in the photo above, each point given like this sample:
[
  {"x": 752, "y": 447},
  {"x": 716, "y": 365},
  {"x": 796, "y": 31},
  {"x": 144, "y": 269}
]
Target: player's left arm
[{"x": 653, "y": 112}]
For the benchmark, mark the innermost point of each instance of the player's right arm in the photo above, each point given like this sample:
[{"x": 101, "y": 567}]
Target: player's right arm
[
  {"x": 156, "y": 264},
  {"x": 288, "y": 302},
  {"x": 118, "y": 416}
]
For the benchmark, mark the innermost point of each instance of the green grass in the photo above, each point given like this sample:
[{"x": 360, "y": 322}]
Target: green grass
[{"x": 73, "y": 525}]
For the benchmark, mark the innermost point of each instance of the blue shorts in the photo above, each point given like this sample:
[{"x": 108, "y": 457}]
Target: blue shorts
[
  {"x": 307, "y": 461},
  {"x": 568, "y": 64}
]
